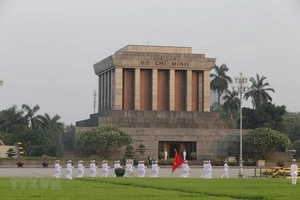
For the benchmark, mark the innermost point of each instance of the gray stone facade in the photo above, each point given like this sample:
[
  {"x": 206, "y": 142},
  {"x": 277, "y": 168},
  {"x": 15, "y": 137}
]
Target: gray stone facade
[{"x": 161, "y": 96}]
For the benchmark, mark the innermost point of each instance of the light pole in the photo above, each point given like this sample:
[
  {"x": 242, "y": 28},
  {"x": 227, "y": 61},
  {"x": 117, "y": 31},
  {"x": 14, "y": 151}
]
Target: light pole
[{"x": 241, "y": 86}]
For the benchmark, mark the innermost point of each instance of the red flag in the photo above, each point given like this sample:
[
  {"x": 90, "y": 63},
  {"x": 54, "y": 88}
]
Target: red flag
[{"x": 177, "y": 162}]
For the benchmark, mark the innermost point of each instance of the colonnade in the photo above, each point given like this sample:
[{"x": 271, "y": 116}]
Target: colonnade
[{"x": 154, "y": 89}]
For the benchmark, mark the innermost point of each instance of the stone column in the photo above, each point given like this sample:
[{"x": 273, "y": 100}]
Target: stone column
[
  {"x": 137, "y": 88},
  {"x": 200, "y": 91},
  {"x": 112, "y": 89},
  {"x": 104, "y": 91},
  {"x": 206, "y": 91},
  {"x": 189, "y": 90},
  {"x": 154, "y": 89},
  {"x": 118, "y": 89},
  {"x": 172, "y": 89},
  {"x": 99, "y": 94}
]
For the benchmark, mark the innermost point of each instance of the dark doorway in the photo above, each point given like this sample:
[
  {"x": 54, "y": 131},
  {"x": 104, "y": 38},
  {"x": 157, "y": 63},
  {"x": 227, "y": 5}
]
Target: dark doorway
[
  {"x": 179, "y": 146},
  {"x": 173, "y": 146}
]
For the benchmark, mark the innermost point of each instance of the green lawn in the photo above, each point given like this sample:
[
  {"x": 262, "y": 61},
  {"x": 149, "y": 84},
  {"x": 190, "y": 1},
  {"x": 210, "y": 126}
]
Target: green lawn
[{"x": 147, "y": 188}]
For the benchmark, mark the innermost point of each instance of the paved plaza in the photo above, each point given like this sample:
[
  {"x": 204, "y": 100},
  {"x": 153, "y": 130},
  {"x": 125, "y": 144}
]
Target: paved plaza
[{"x": 196, "y": 172}]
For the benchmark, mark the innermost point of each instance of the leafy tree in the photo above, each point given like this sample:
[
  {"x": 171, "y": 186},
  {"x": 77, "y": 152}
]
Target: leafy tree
[
  {"x": 46, "y": 122},
  {"x": 12, "y": 120},
  {"x": 220, "y": 81},
  {"x": 129, "y": 153},
  {"x": 6, "y": 138},
  {"x": 296, "y": 146},
  {"x": 292, "y": 127},
  {"x": 35, "y": 142},
  {"x": 104, "y": 139},
  {"x": 10, "y": 153},
  {"x": 231, "y": 103},
  {"x": 268, "y": 115},
  {"x": 265, "y": 141},
  {"x": 258, "y": 91},
  {"x": 30, "y": 114}
]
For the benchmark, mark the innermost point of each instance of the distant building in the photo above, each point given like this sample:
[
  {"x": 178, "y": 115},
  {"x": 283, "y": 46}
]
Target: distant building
[{"x": 161, "y": 96}]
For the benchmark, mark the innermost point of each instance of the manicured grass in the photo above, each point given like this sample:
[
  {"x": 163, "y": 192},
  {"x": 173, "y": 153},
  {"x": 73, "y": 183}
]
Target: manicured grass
[{"x": 147, "y": 188}]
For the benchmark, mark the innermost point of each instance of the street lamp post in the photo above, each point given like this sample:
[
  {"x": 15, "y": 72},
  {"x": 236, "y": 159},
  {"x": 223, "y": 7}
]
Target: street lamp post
[{"x": 241, "y": 86}]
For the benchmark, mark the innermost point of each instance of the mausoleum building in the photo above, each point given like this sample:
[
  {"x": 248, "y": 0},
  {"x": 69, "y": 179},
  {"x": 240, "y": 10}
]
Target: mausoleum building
[{"x": 161, "y": 96}]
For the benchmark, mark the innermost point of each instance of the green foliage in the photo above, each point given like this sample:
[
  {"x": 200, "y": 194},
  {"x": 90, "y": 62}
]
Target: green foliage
[
  {"x": 265, "y": 141},
  {"x": 104, "y": 139},
  {"x": 141, "y": 149},
  {"x": 6, "y": 138},
  {"x": 219, "y": 81},
  {"x": 268, "y": 115},
  {"x": 296, "y": 146},
  {"x": 161, "y": 155},
  {"x": 193, "y": 154},
  {"x": 232, "y": 103},
  {"x": 10, "y": 153},
  {"x": 292, "y": 127},
  {"x": 258, "y": 91},
  {"x": 12, "y": 120},
  {"x": 30, "y": 115},
  {"x": 129, "y": 152},
  {"x": 168, "y": 162}
]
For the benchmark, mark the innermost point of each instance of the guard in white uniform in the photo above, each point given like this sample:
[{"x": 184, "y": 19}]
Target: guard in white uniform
[
  {"x": 118, "y": 164},
  {"x": 204, "y": 170},
  {"x": 209, "y": 170},
  {"x": 226, "y": 168},
  {"x": 185, "y": 170},
  {"x": 57, "y": 170},
  {"x": 69, "y": 169},
  {"x": 294, "y": 172},
  {"x": 93, "y": 168},
  {"x": 184, "y": 154},
  {"x": 105, "y": 167},
  {"x": 143, "y": 168},
  {"x": 80, "y": 169}
]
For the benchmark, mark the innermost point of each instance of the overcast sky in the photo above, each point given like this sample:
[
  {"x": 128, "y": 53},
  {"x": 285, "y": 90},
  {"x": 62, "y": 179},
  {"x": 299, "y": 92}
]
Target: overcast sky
[{"x": 48, "y": 47}]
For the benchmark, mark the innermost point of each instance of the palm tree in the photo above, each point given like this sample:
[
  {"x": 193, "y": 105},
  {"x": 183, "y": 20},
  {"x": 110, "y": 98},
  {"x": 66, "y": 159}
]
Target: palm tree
[
  {"x": 231, "y": 103},
  {"x": 30, "y": 114},
  {"x": 50, "y": 123},
  {"x": 220, "y": 81},
  {"x": 12, "y": 120},
  {"x": 258, "y": 91}
]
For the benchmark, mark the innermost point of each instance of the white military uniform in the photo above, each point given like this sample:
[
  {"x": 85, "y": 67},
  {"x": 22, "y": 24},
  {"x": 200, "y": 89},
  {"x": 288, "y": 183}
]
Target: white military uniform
[
  {"x": 294, "y": 172},
  {"x": 209, "y": 170},
  {"x": 118, "y": 164},
  {"x": 93, "y": 168},
  {"x": 226, "y": 168},
  {"x": 57, "y": 169},
  {"x": 204, "y": 175},
  {"x": 166, "y": 154},
  {"x": 184, "y": 154},
  {"x": 69, "y": 169},
  {"x": 80, "y": 169},
  {"x": 129, "y": 169},
  {"x": 185, "y": 170},
  {"x": 105, "y": 167}
]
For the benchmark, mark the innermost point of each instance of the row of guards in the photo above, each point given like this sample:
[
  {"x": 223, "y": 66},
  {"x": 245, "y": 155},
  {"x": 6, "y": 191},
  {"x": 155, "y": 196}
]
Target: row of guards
[{"x": 21, "y": 149}]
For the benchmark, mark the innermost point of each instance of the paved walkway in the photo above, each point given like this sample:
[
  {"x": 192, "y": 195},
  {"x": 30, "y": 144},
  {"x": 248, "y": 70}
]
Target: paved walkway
[{"x": 196, "y": 172}]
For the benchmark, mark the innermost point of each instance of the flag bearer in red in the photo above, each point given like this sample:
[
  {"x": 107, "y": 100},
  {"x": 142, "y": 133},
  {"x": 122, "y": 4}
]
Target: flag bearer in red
[{"x": 177, "y": 162}]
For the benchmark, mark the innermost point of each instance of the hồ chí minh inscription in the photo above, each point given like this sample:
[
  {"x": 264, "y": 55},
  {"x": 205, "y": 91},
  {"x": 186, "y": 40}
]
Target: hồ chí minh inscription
[{"x": 164, "y": 63}]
